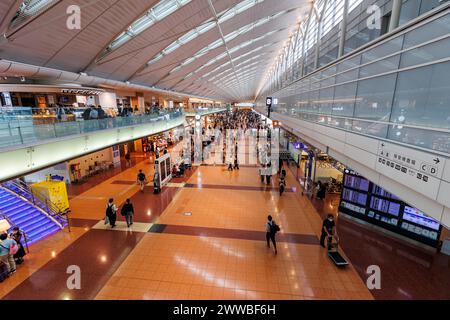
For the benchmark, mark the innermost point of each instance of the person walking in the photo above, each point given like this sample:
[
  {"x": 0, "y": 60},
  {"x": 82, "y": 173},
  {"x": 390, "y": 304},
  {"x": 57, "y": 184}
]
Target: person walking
[
  {"x": 271, "y": 229},
  {"x": 7, "y": 252},
  {"x": 111, "y": 213},
  {"x": 17, "y": 235},
  {"x": 236, "y": 164},
  {"x": 268, "y": 173},
  {"x": 128, "y": 159},
  {"x": 262, "y": 170},
  {"x": 141, "y": 180},
  {"x": 282, "y": 184},
  {"x": 128, "y": 212},
  {"x": 327, "y": 229}
]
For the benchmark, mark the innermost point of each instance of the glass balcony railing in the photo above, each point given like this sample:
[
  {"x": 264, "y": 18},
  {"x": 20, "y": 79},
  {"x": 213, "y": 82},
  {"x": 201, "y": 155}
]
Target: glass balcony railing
[
  {"x": 15, "y": 132},
  {"x": 203, "y": 111}
]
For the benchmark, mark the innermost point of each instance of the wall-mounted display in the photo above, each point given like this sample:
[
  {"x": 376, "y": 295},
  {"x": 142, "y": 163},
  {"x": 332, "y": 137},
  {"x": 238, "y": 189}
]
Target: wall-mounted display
[{"x": 368, "y": 201}]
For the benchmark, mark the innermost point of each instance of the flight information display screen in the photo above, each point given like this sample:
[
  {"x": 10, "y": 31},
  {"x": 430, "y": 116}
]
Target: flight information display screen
[
  {"x": 381, "y": 192},
  {"x": 354, "y": 196},
  {"x": 356, "y": 182},
  {"x": 385, "y": 206},
  {"x": 418, "y": 217},
  {"x": 368, "y": 201}
]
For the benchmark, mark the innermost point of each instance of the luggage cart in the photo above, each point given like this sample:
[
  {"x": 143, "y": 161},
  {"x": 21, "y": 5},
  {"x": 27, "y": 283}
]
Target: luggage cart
[{"x": 333, "y": 253}]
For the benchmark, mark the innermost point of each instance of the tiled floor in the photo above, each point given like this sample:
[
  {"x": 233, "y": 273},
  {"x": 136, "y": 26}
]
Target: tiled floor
[{"x": 189, "y": 267}]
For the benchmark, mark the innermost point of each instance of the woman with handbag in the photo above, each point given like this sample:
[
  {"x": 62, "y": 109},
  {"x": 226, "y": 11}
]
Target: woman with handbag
[
  {"x": 8, "y": 248},
  {"x": 16, "y": 235}
]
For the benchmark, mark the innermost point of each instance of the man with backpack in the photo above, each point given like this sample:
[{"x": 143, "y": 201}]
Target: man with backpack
[
  {"x": 111, "y": 213},
  {"x": 271, "y": 229}
]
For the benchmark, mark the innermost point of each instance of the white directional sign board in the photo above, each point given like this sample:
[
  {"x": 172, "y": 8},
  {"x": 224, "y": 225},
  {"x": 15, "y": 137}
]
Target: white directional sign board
[{"x": 417, "y": 169}]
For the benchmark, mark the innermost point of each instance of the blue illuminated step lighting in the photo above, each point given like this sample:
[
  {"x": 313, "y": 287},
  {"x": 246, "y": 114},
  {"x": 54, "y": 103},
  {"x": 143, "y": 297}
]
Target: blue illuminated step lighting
[{"x": 26, "y": 216}]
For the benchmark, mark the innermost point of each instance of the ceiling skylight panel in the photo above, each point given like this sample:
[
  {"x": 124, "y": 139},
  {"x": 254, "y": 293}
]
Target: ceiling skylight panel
[
  {"x": 228, "y": 37},
  {"x": 161, "y": 10},
  {"x": 206, "y": 26},
  {"x": 171, "y": 48},
  {"x": 239, "y": 8},
  {"x": 164, "y": 8},
  {"x": 30, "y": 8},
  {"x": 188, "y": 36}
]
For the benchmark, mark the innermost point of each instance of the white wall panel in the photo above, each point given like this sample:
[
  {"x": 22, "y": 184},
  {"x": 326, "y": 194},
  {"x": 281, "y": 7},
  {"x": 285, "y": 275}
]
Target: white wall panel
[{"x": 444, "y": 193}]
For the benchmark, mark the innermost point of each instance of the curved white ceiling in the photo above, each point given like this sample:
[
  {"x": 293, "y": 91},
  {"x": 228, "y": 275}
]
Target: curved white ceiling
[{"x": 214, "y": 48}]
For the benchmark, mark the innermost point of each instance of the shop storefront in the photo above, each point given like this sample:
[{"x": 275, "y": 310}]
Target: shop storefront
[{"x": 41, "y": 102}]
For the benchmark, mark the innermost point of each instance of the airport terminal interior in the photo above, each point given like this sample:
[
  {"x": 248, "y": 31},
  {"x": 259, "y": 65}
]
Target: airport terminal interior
[{"x": 224, "y": 150}]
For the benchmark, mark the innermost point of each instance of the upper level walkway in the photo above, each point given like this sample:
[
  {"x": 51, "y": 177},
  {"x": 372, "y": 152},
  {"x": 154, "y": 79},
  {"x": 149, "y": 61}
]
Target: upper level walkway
[{"x": 26, "y": 147}]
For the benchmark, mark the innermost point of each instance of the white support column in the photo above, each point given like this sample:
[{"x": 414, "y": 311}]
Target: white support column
[
  {"x": 395, "y": 14},
  {"x": 319, "y": 34},
  {"x": 343, "y": 30}
]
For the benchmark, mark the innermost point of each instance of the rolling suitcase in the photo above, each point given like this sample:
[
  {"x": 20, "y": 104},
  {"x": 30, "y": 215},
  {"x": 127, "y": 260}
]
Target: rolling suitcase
[{"x": 334, "y": 254}]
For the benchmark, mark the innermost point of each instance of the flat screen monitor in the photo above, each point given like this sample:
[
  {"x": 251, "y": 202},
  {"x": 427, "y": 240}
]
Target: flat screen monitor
[
  {"x": 418, "y": 217},
  {"x": 356, "y": 182},
  {"x": 354, "y": 196},
  {"x": 385, "y": 206}
]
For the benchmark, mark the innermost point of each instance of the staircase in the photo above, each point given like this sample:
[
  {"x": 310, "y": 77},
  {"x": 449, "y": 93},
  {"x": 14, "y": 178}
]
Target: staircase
[{"x": 30, "y": 218}]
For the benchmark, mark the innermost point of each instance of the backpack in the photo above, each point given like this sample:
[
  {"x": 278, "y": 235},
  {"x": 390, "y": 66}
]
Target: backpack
[
  {"x": 109, "y": 211},
  {"x": 274, "y": 228},
  {"x": 13, "y": 248}
]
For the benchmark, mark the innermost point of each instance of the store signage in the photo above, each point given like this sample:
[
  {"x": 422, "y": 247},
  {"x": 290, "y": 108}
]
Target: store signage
[
  {"x": 86, "y": 92},
  {"x": 298, "y": 145}
]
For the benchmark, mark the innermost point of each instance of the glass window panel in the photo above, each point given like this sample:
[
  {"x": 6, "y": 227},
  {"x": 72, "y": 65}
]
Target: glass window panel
[
  {"x": 380, "y": 67},
  {"x": 326, "y": 100},
  {"x": 431, "y": 52},
  {"x": 349, "y": 63},
  {"x": 370, "y": 128},
  {"x": 313, "y": 101},
  {"x": 410, "y": 10},
  {"x": 327, "y": 82},
  {"x": 344, "y": 99},
  {"x": 374, "y": 98},
  {"x": 431, "y": 30},
  {"x": 347, "y": 76},
  {"x": 383, "y": 50},
  {"x": 423, "y": 97},
  {"x": 428, "y": 5},
  {"x": 434, "y": 140}
]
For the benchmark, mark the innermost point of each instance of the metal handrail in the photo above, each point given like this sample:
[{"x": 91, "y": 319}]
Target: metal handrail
[
  {"x": 41, "y": 201},
  {"x": 25, "y": 236}
]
